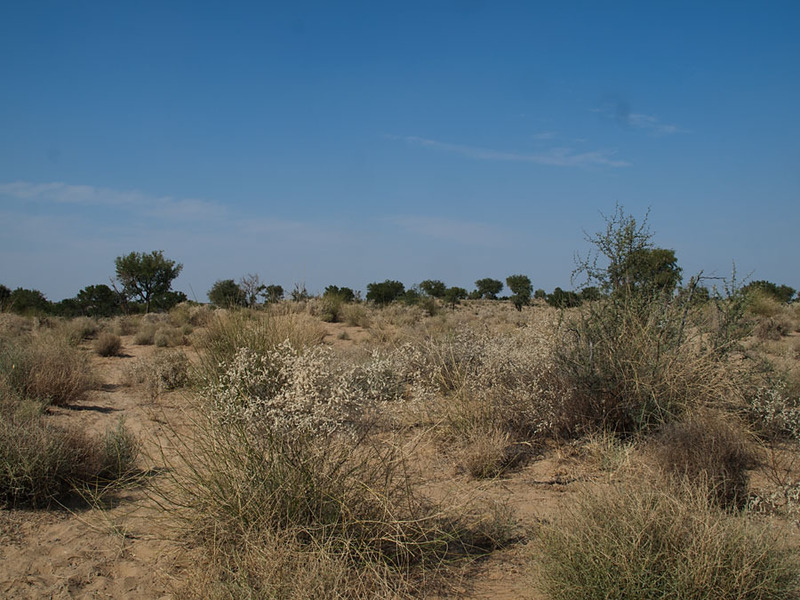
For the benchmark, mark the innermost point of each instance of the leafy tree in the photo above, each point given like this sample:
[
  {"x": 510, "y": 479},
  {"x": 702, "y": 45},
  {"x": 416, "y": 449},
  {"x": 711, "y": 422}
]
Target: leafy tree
[
  {"x": 412, "y": 296},
  {"x": 563, "y": 299},
  {"x": 781, "y": 293},
  {"x": 98, "y": 301},
  {"x": 225, "y": 293},
  {"x": 521, "y": 288},
  {"x": 590, "y": 293},
  {"x": 169, "y": 300},
  {"x": 625, "y": 262},
  {"x": 650, "y": 270},
  {"x": 454, "y": 294},
  {"x": 147, "y": 276},
  {"x": 5, "y": 295},
  {"x": 488, "y": 288},
  {"x": 345, "y": 294},
  {"x": 433, "y": 288},
  {"x": 24, "y": 301},
  {"x": 272, "y": 293},
  {"x": 540, "y": 294},
  {"x": 385, "y": 292}
]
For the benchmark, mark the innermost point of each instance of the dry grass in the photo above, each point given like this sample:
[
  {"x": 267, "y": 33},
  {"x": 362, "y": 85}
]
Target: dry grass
[
  {"x": 44, "y": 366},
  {"x": 42, "y": 464},
  {"x": 108, "y": 344},
  {"x": 711, "y": 449},
  {"x": 162, "y": 372},
  {"x": 640, "y": 541}
]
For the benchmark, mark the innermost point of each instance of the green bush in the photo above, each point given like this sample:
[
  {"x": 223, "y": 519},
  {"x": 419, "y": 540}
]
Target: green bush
[
  {"x": 639, "y": 542},
  {"x": 386, "y": 292}
]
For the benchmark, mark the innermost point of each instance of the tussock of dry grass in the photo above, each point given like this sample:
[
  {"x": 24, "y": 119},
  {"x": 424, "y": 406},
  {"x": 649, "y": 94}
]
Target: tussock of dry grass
[
  {"x": 639, "y": 541},
  {"x": 45, "y": 366}
]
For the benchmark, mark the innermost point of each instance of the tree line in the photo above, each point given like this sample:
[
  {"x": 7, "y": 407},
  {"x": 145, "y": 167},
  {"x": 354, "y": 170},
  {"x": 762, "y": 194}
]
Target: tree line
[{"x": 143, "y": 283}]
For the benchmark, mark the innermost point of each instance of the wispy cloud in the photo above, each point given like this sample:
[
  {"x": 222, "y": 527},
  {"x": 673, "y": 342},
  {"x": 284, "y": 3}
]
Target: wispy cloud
[
  {"x": 545, "y": 135},
  {"x": 555, "y": 157},
  {"x": 87, "y": 195},
  {"x": 452, "y": 230},
  {"x": 621, "y": 112}
]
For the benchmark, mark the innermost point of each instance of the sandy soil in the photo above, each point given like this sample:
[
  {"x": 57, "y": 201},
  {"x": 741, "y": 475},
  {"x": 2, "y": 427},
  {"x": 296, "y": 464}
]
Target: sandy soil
[{"x": 121, "y": 551}]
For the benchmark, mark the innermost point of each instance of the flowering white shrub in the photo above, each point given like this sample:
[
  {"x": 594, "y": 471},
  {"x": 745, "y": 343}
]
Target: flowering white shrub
[
  {"x": 775, "y": 412},
  {"x": 314, "y": 391}
]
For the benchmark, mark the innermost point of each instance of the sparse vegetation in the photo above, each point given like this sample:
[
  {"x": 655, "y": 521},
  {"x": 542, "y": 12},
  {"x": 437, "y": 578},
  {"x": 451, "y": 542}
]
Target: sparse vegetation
[{"x": 640, "y": 541}]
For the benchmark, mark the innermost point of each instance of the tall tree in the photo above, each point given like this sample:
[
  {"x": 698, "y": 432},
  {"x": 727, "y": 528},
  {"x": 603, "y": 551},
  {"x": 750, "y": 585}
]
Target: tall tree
[
  {"x": 433, "y": 288},
  {"x": 522, "y": 288},
  {"x": 488, "y": 288},
  {"x": 226, "y": 294},
  {"x": 147, "y": 276}
]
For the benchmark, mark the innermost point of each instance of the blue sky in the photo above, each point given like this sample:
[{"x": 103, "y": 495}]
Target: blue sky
[{"x": 350, "y": 142}]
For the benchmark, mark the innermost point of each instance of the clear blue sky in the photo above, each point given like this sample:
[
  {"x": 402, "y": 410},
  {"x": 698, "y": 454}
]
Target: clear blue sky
[{"x": 349, "y": 142}]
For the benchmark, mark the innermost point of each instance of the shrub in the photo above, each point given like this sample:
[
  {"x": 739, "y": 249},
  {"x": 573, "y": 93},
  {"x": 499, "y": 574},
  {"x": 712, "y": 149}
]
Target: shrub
[
  {"x": 162, "y": 372},
  {"x": 41, "y": 463},
  {"x": 282, "y": 456},
  {"x": 356, "y": 315},
  {"x": 145, "y": 334},
  {"x": 108, "y": 344},
  {"x": 45, "y": 367},
  {"x": 226, "y": 333},
  {"x": 169, "y": 337},
  {"x": 709, "y": 449},
  {"x": 80, "y": 329},
  {"x": 641, "y": 542}
]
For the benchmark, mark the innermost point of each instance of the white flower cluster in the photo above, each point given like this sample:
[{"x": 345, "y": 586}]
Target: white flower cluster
[
  {"x": 313, "y": 391},
  {"x": 776, "y": 412}
]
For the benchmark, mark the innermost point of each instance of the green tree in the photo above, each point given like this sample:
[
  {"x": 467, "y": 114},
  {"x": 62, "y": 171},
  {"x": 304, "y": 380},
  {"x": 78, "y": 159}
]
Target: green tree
[
  {"x": 147, "y": 276},
  {"x": 5, "y": 295},
  {"x": 272, "y": 293},
  {"x": 433, "y": 288},
  {"x": 488, "y": 288},
  {"x": 453, "y": 295},
  {"x": 781, "y": 293},
  {"x": 590, "y": 293},
  {"x": 521, "y": 288},
  {"x": 345, "y": 294},
  {"x": 26, "y": 302},
  {"x": 385, "y": 292},
  {"x": 563, "y": 299},
  {"x": 225, "y": 293},
  {"x": 625, "y": 262},
  {"x": 98, "y": 301}
]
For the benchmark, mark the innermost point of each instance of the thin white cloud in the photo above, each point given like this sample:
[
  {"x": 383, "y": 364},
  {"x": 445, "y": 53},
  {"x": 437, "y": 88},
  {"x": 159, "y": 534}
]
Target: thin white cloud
[
  {"x": 545, "y": 135},
  {"x": 465, "y": 232},
  {"x": 556, "y": 157},
  {"x": 620, "y": 112},
  {"x": 87, "y": 195}
]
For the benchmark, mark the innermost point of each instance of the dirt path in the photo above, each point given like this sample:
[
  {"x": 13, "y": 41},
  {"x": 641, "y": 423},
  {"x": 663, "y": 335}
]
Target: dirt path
[{"x": 116, "y": 552}]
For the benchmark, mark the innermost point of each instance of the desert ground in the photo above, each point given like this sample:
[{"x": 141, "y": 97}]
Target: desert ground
[{"x": 121, "y": 542}]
